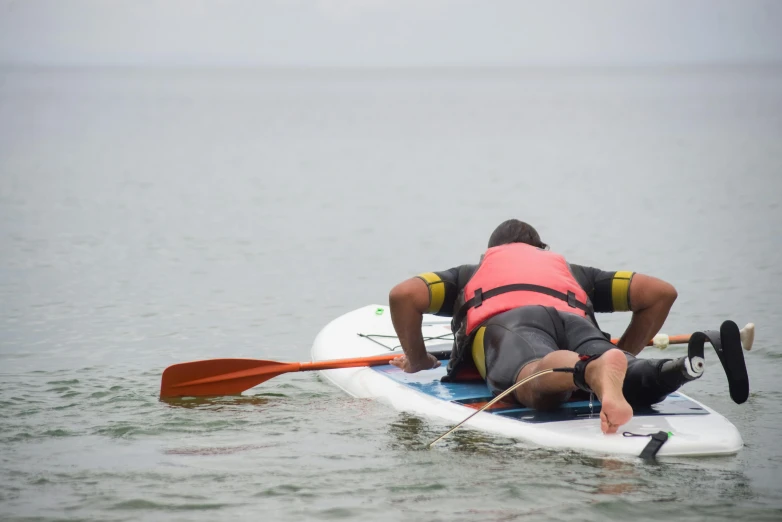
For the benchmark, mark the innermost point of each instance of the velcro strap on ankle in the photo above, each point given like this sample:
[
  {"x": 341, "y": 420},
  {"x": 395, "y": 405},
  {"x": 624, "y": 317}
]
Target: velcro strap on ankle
[{"x": 579, "y": 372}]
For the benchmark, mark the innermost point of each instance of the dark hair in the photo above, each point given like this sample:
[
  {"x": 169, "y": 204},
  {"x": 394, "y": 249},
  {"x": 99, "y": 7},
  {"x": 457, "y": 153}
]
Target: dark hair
[{"x": 515, "y": 231}]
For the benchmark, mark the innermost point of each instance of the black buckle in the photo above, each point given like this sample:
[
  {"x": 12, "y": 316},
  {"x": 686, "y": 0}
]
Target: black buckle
[
  {"x": 571, "y": 299},
  {"x": 477, "y": 298}
]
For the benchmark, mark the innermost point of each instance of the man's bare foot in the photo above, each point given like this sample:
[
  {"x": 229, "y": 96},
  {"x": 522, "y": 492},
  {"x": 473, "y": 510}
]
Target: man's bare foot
[{"x": 605, "y": 375}]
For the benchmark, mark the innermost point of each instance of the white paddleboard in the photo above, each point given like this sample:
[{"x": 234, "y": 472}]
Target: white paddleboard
[{"x": 694, "y": 429}]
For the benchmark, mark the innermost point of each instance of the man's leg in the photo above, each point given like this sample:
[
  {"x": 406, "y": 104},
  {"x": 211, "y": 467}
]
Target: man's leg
[
  {"x": 525, "y": 340},
  {"x": 604, "y": 375},
  {"x": 646, "y": 382},
  {"x": 515, "y": 339}
]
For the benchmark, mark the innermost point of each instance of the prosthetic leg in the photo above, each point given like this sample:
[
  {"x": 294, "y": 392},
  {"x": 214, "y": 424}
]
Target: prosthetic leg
[{"x": 727, "y": 344}]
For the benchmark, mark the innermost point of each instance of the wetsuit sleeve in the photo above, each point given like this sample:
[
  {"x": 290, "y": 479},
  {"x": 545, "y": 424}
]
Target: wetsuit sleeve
[
  {"x": 443, "y": 290},
  {"x": 608, "y": 291}
]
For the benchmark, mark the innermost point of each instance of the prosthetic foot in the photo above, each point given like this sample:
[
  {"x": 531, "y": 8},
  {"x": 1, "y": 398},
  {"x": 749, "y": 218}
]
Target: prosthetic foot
[{"x": 727, "y": 344}]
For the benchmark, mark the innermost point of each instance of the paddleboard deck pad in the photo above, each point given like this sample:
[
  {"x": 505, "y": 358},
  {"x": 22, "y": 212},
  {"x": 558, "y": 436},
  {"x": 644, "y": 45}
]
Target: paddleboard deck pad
[{"x": 694, "y": 429}]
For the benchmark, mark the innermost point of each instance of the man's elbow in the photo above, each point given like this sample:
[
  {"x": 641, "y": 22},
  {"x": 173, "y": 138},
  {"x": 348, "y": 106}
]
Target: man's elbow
[
  {"x": 412, "y": 293},
  {"x": 651, "y": 292},
  {"x": 668, "y": 294},
  {"x": 395, "y": 296},
  {"x": 400, "y": 295}
]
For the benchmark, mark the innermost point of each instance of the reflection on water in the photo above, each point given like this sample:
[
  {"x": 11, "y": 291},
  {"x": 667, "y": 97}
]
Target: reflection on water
[
  {"x": 412, "y": 432},
  {"x": 222, "y": 402},
  {"x": 223, "y": 450}
]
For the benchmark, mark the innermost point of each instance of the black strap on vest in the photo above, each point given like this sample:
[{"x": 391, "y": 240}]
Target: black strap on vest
[
  {"x": 650, "y": 450},
  {"x": 481, "y": 296}
]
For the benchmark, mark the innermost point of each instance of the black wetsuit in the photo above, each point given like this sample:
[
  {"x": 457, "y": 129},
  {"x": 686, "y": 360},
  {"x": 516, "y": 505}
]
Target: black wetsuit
[
  {"x": 518, "y": 337},
  {"x": 510, "y": 340}
]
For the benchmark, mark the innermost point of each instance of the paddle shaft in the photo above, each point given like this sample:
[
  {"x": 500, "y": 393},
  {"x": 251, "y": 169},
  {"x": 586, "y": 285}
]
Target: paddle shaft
[
  {"x": 377, "y": 360},
  {"x": 673, "y": 339}
]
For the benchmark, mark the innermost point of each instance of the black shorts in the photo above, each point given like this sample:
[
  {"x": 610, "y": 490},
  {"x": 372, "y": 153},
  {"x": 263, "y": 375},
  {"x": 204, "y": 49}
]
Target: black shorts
[{"x": 513, "y": 339}]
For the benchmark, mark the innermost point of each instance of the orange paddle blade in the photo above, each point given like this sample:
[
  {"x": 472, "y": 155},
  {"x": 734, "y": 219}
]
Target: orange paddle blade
[
  {"x": 233, "y": 376},
  {"x": 219, "y": 376}
]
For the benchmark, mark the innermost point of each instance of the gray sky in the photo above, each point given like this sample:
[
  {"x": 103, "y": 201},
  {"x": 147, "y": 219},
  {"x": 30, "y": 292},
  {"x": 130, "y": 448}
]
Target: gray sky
[{"x": 388, "y": 32}]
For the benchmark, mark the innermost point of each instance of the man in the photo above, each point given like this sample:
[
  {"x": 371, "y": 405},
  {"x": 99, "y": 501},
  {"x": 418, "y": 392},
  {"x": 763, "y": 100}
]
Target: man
[{"x": 525, "y": 309}]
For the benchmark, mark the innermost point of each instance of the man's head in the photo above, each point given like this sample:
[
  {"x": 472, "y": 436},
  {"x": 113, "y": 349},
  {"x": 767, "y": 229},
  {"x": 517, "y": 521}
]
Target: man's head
[{"x": 515, "y": 231}]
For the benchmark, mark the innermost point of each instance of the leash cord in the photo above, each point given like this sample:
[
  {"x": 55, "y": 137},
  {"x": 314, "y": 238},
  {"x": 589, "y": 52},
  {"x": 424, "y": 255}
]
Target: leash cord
[{"x": 499, "y": 397}]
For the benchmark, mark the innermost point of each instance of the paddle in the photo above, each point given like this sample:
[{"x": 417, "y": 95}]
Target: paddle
[
  {"x": 233, "y": 376},
  {"x": 662, "y": 341}
]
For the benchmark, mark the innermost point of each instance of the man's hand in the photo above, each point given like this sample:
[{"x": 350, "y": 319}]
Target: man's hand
[{"x": 430, "y": 362}]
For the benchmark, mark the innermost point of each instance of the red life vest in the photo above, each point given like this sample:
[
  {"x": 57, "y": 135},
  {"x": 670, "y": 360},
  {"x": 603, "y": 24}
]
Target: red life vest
[{"x": 517, "y": 275}]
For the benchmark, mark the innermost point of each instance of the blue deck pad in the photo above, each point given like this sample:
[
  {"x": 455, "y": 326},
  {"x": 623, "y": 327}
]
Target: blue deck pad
[{"x": 428, "y": 382}]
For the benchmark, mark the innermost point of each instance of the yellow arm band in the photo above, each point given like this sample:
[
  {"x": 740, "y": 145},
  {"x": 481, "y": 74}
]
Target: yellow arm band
[
  {"x": 620, "y": 291},
  {"x": 436, "y": 291}
]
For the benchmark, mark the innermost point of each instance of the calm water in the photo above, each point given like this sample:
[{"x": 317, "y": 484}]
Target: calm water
[{"x": 153, "y": 217}]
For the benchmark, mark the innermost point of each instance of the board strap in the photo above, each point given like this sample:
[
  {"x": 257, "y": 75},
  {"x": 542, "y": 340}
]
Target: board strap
[{"x": 653, "y": 446}]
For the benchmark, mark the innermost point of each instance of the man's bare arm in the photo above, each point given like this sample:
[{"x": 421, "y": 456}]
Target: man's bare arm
[
  {"x": 650, "y": 300},
  {"x": 409, "y": 300}
]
